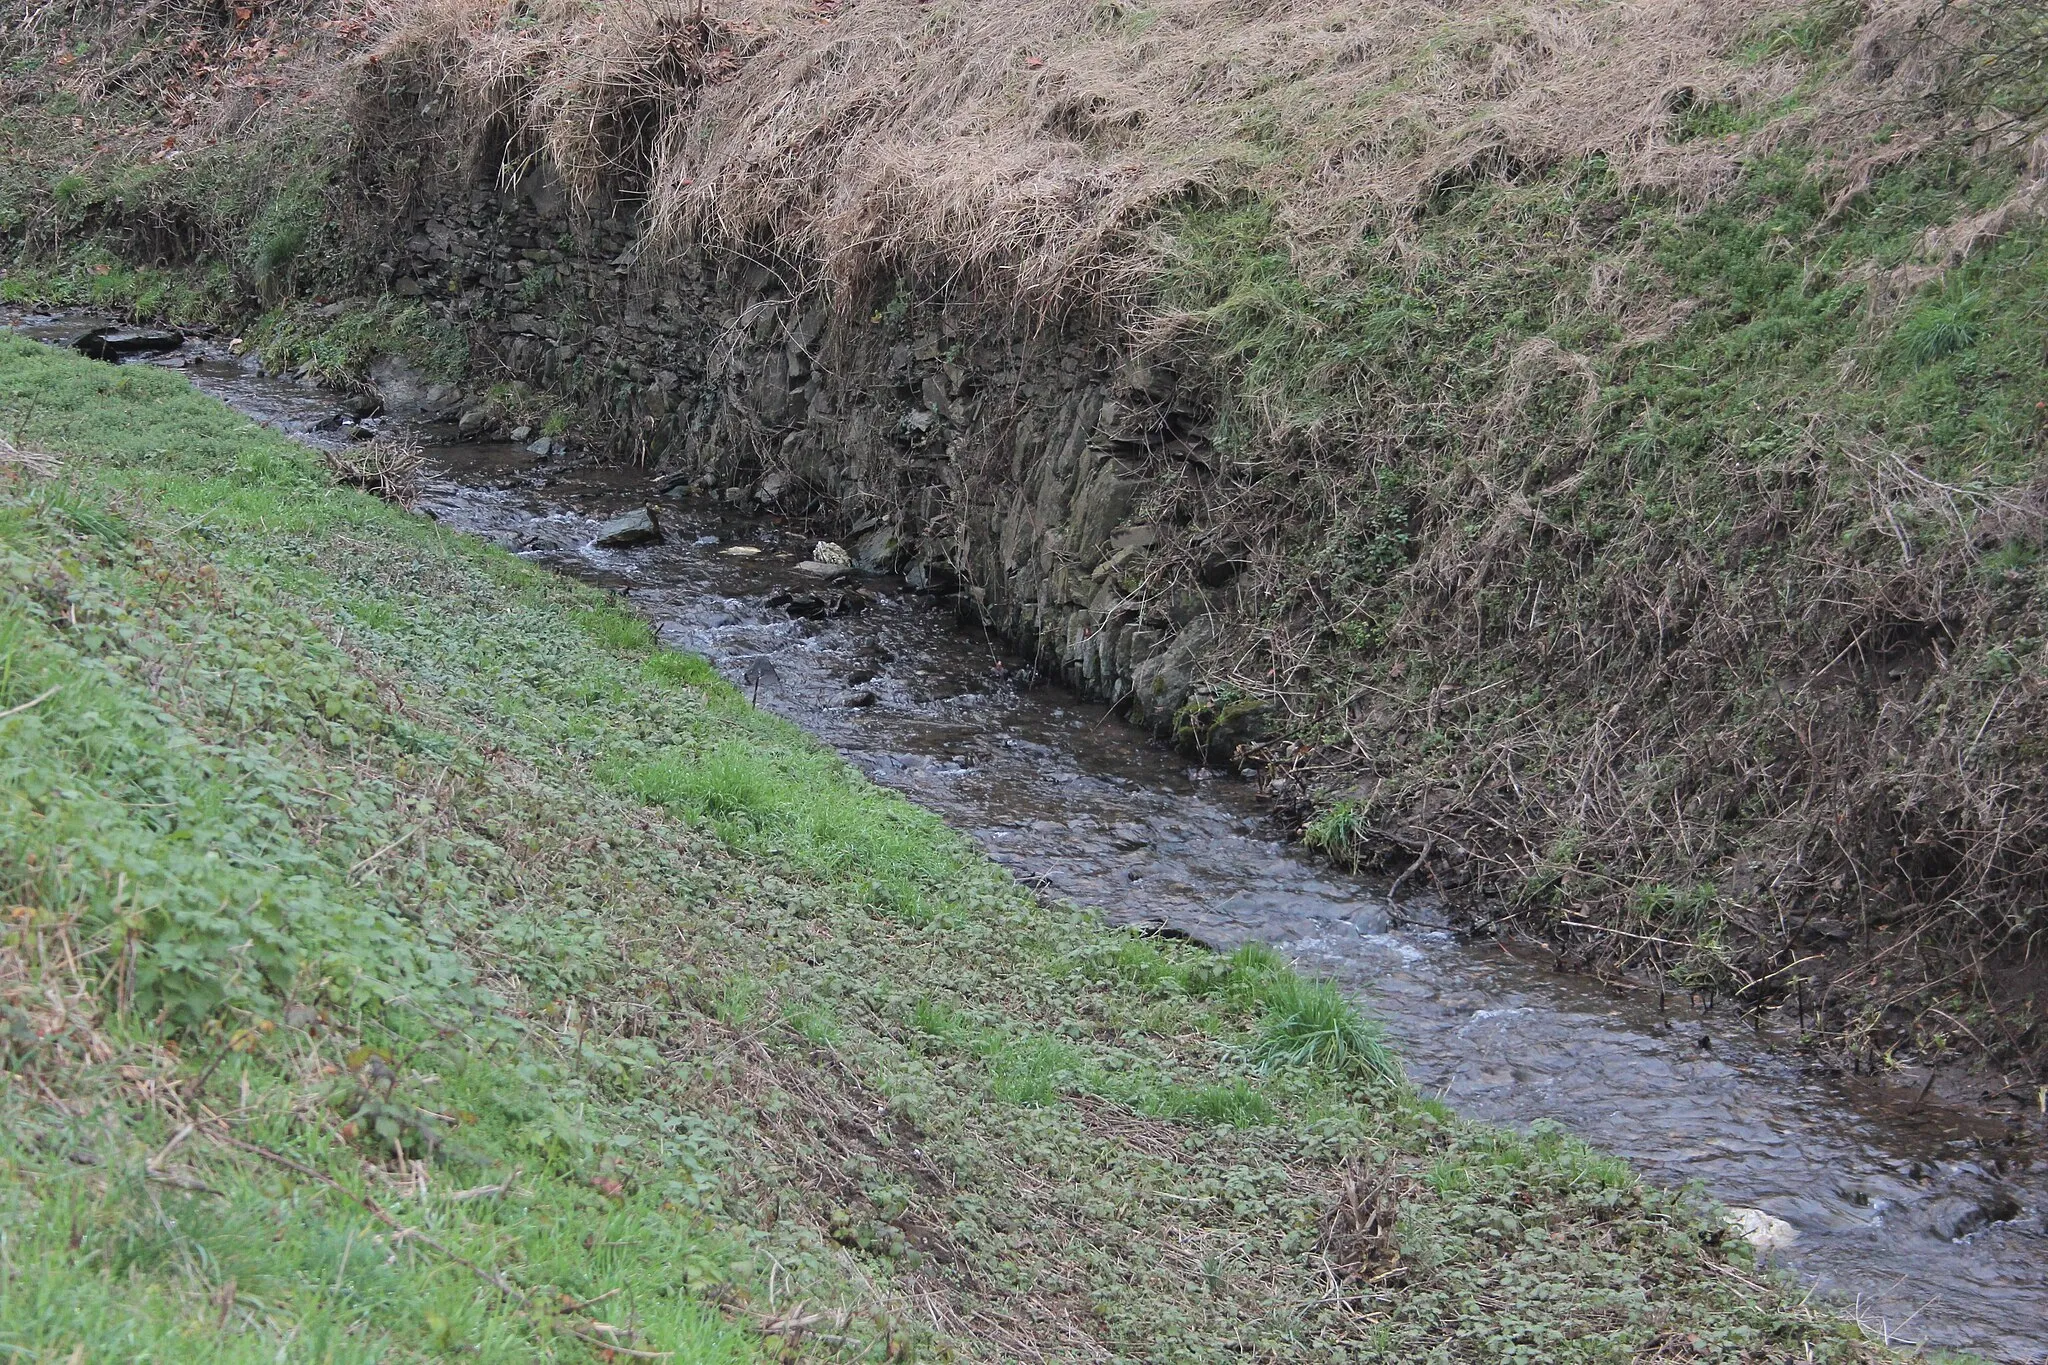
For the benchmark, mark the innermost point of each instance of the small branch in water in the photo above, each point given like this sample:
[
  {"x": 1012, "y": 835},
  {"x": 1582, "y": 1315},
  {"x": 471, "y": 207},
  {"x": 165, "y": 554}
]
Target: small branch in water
[{"x": 1603, "y": 929}]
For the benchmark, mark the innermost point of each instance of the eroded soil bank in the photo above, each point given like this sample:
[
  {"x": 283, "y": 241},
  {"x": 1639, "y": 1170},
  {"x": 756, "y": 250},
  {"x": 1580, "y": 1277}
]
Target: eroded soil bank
[{"x": 1926, "y": 1222}]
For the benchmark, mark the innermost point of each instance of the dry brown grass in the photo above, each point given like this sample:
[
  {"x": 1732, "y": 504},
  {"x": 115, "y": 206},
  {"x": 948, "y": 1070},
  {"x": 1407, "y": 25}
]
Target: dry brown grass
[
  {"x": 389, "y": 466},
  {"x": 1018, "y": 148},
  {"x": 204, "y": 72},
  {"x": 13, "y": 458}
]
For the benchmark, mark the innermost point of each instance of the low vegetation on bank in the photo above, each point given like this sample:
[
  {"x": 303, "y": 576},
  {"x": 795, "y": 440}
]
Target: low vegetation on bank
[{"x": 406, "y": 955}]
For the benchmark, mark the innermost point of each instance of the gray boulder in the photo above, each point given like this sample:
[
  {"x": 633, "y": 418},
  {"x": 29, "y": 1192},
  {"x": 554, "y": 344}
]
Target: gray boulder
[
  {"x": 879, "y": 550},
  {"x": 1162, "y": 684},
  {"x": 637, "y": 527},
  {"x": 819, "y": 569},
  {"x": 775, "y": 486},
  {"x": 1953, "y": 1217},
  {"x": 401, "y": 388}
]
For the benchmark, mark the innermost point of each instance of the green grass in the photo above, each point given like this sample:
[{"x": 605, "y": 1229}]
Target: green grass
[
  {"x": 339, "y": 344},
  {"x": 1238, "y": 1104},
  {"x": 807, "y": 808},
  {"x": 91, "y": 278},
  {"x": 1309, "y": 1024},
  {"x": 688, "y": 670},
  {"x": 391, "y": 855}
]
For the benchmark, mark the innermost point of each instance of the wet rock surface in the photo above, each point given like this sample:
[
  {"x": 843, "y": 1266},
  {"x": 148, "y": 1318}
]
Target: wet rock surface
[
  {"x": 1924, "y": 1222},
  {"x": 637, "y": 527},
  {"x": 1953, "y": 1217},
  {"x": 114, "y": 344}
]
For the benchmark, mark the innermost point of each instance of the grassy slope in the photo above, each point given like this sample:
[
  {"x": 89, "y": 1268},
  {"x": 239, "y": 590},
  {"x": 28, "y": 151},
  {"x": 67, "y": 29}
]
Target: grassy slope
[
  {"x": 1631, "y": 445},
  {"x": 337, "y": 836}
]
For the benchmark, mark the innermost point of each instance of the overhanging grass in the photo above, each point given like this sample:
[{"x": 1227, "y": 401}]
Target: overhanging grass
[
  {"x": 1617, "y": 495},
  {"x": 1309, "y": 1024}
]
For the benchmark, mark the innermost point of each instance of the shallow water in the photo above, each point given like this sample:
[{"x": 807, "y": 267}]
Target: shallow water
[{"x": 1085, "y": 806}]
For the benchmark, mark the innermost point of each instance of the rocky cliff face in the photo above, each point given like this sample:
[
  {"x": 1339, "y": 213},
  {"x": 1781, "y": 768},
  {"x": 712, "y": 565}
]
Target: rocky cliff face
[{"x": 991, "y": 455}]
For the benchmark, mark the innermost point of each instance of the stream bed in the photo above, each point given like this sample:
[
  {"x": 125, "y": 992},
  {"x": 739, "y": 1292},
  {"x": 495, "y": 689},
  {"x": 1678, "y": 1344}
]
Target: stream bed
[{"x": 1929, "y": 1224}]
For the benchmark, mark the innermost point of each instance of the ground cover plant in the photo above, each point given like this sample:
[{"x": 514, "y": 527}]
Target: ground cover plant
[{"x": 407, "y": 956}]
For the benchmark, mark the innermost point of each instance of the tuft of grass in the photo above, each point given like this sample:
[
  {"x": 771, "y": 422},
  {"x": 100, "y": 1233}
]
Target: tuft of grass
[
  {"x": 1309, "y": 1025},
  {"x": 688, "y": 670},
  {"x": 1036, "y": 1071},
  {"x": 941, "y": 1023},
  {"x": 813, "y": 1022},
  {"x": 1236, "y": 1104},
  {"x": 738, "y": 999},
  {"x": 340, "y": 349},
  {"x": 1339, "y": 830},
  {"x": 616, "y": 629},
  {"x": 84, "y": 517},
  {"x": 1939, "y": 328}
]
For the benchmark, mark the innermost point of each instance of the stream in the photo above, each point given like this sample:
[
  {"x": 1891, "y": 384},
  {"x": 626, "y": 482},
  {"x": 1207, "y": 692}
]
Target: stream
[{"x": 1927, "y": 1223}]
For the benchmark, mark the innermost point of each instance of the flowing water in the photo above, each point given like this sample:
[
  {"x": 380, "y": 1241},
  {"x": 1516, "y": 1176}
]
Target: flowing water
[{"x": 1875, "y": 1181}]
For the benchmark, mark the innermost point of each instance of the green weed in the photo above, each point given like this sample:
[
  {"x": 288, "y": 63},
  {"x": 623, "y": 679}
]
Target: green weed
[
  {"x": 689, "y": 670},
  {"x": 617, "y": 629},
  {"x": 941, "y": 1023},
  {"x": 808, "y": 807},
  {"x": 1036, "y": 1071},
  {"x": 1238, "y": 1104},
  {"x": 1939, "y": 329},
  {"x": 340, "y": 349},
  {"x": 1310, "y": 1025}
]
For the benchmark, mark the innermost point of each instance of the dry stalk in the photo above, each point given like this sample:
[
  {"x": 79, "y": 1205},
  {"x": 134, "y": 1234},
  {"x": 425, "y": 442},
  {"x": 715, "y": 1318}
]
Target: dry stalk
[
  {"x": 1020, "y": 150},
  {"x": 1355, "y": 1234},
  {"x": 390, "y": 466},
  {"x": 12, "y": 457}
]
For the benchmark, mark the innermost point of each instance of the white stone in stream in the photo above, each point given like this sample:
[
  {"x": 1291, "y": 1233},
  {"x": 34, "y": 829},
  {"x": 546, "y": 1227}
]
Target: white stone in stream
[
  {"x": 829, "y": 552},
  {"x": 817, "y": 569},
  {"x": 1761, "y": 1230}
]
